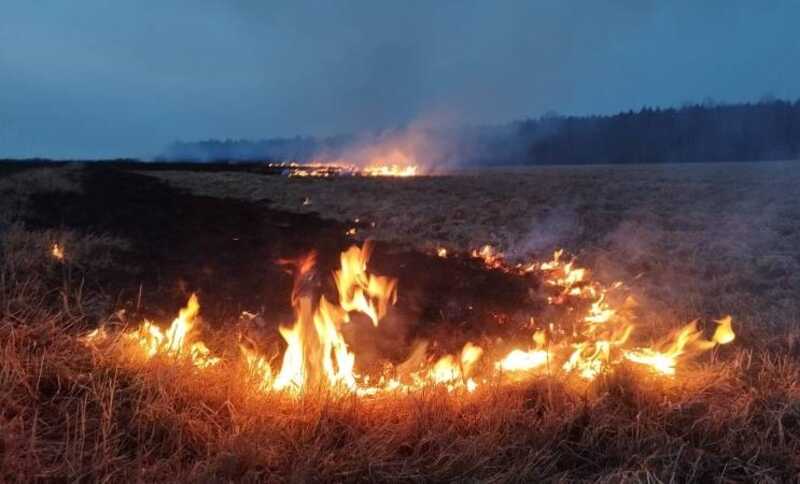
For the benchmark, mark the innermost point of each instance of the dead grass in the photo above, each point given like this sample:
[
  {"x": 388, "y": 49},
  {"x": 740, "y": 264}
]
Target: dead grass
[
  {"x": 67, "y": 413},
  {"x": 693, "y": 240},
  {"x": 15, "y": 189}
]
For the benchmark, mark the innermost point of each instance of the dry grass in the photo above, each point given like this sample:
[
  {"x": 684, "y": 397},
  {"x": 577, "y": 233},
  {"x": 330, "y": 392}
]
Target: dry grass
[
  {"x": 16, "y": 188},
  {"x": 67, "y": 413},
  {"x": 703, "y": 239}
]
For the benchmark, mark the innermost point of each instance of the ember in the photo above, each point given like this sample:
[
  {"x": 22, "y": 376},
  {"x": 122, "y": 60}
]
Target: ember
[{"x": 57, "y": 251}]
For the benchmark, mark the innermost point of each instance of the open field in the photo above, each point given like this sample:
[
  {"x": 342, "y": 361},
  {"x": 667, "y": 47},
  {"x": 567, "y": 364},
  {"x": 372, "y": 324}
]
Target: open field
[
  {"x": 701, "y": 238},
  {"x": 689, "y": 241}
]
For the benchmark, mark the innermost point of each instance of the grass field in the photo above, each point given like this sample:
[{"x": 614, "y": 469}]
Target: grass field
[
  {"x": 690, "y": 241},
  {"x": 700, "y": 238}
]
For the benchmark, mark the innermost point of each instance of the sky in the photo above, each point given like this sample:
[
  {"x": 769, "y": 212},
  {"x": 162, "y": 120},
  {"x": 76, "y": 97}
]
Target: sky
[{"x": 96, "y": 79}]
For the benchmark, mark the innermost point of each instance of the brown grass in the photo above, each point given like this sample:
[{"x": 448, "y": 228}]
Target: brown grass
[
  {"x": 694, "y": 240},
  {"x": 15, "y": 189},
  {"x": 67, "y": 413}
]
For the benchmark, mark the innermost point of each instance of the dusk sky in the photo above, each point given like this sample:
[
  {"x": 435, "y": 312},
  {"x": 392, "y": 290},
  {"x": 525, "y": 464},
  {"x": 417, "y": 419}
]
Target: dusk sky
[{"x": 91, "y": 78}]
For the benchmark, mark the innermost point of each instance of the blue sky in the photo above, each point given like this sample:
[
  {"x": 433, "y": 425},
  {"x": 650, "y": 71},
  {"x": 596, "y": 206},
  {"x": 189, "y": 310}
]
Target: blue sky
[{"x": 91, "y": 78}]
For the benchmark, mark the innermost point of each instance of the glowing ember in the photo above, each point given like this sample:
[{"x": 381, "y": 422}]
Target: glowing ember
[{"x": 57, "y": 252}]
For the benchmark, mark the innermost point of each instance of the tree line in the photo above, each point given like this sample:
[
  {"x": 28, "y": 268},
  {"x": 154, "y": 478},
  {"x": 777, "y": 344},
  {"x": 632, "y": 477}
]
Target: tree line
[{"x": 709, "y": 131}]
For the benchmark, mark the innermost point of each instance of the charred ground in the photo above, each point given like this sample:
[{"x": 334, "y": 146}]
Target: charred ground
[{"x": 230, "y": 252}]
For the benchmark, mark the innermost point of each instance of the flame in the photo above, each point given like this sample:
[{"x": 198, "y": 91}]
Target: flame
[
  {"x": 177, "y": 342},
  {"x": 360, "y": 291},
  {"x": 454, "y": 373},
  {"x": 57, "y": 251},
  {"x": 390, "y": 170},
  {"x": 664, "y": 360},
  {"x": 318, "y": 356},
  {"x": 317, "y": 353},
  {"x": 490, "y": 256},
  {"x": 441, "y": 252},
  {"x": 724, "y": 333},
  {"x": 519, "y": 360},
  {"x": 394, "y": 164}
]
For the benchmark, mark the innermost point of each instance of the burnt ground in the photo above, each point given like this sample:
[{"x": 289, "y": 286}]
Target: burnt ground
[{"x": 227, "y": 251}]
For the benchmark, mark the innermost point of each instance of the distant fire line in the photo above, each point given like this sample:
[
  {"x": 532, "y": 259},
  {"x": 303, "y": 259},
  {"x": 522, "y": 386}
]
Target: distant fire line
[{"x": 335, "y": 169}]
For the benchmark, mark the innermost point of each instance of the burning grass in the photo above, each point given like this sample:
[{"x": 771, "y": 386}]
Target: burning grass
[
  {"x": 145, "y": 402},
  {"x": 318, "y": 356},
  {"x": 71, "y": 413},
  {"x": 696, "y": 238},
  {"x": 67, "y": 414}
]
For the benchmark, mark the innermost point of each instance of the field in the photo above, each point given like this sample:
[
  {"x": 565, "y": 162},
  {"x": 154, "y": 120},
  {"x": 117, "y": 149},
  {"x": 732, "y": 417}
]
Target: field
[{"x": 688, "y": 241}]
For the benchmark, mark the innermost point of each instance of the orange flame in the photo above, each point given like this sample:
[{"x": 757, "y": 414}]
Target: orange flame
[
  {"x": 177, "y": 342},
  {"x": 360, "y": 291},
  {"x": 57, "y": 251},
  {"x": 394, "y": 164},
  {"x": 665, "y": 359},
  {"x": 317, "y": 355}
]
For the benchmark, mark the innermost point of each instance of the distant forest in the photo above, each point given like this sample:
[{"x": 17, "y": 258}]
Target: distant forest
[{"x": 766, "y": 130}]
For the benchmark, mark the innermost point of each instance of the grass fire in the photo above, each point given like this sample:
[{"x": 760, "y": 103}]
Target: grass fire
[
  {"x": 317, "y": 354},
  {"x": 406, "y": 242},
  {"x": 264, "y": 343}
]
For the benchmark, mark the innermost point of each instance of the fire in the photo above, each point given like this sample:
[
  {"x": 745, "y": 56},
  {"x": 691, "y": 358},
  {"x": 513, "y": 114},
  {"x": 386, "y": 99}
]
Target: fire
[
  {"x": 316, "y": 352},
  {"x": 688, "y": 338},
  {"x": 390, "y": 170},
  {"x": 724, "y": 333},
  {"x": 519, "y": 360},
  {"x": 57, "y": 251},
  {"x": 360, "y": 291},
  {"x": 318, "y": 356},
  {"x": 396, "y": 164},
  {"x": 490, "y": 256},
  {"x": 601, "y": 342},
  {"x": 177, "y": 342}
]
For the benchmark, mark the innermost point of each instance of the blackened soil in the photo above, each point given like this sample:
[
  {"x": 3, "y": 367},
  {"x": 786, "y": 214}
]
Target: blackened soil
[{"x": 228, "y": 251}]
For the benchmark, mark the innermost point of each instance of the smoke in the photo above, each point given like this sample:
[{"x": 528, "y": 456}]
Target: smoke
[
  {"x": 435, "y": 144},
  {"x": 556, "y": 228}
]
